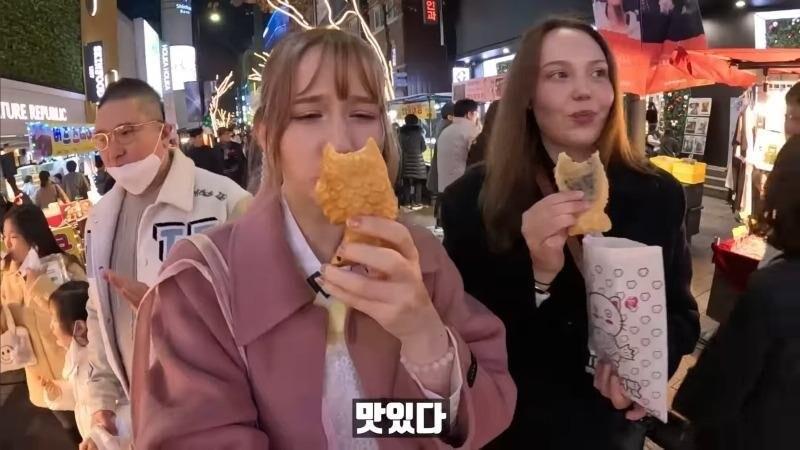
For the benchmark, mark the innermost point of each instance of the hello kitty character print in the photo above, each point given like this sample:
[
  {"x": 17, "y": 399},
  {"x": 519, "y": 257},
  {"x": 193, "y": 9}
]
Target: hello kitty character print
[
  {"x": 626, "y": 311},
  {"x": 607, "y": 324}
]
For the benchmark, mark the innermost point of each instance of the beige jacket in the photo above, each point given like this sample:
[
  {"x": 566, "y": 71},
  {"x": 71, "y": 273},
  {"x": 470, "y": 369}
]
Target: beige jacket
[{"x": 29, "y": 306}]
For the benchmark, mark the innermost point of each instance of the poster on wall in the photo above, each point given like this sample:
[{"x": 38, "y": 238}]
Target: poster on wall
[
  {"x": 696, "y": 129},
  {"x": 49, "y": 139}
]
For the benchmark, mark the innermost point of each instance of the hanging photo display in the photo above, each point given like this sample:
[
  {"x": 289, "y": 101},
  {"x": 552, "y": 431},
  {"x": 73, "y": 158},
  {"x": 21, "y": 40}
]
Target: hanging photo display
[{"x": 696, "y": 129}]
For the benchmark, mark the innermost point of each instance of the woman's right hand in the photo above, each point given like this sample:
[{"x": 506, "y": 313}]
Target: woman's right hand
[{"x": 544, "y": 227}]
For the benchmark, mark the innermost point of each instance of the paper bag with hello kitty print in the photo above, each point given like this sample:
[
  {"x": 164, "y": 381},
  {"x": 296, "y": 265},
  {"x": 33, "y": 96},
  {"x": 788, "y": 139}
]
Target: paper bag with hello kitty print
[{"x": 626, "y": 304}]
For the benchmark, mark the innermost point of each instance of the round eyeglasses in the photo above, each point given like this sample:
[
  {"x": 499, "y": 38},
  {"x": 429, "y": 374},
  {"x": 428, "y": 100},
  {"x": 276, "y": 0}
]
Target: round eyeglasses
[{"x": 123, "y": 134}]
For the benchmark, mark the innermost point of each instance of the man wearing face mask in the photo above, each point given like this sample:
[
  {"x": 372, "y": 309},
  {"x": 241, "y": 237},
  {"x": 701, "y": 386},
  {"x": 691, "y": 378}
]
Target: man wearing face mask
[{"x": 160, "y": 196}]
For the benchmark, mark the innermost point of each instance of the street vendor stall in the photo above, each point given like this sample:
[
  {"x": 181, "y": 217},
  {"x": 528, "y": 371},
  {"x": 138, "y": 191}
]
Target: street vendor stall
[
  {"x": 425, "y": 106},
  {"x": 53, "y": 144}
]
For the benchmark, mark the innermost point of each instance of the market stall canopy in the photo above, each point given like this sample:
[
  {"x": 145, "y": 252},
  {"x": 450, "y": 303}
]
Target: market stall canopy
[
  {"x": 660, "y": 47},
  {"x": 772, "y": 60}
]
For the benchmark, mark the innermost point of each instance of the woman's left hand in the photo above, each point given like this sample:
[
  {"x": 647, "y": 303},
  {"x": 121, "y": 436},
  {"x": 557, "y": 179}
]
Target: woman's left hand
[
  {"x": 609, "y": 384},
  {"x": 393, "y": 293}
]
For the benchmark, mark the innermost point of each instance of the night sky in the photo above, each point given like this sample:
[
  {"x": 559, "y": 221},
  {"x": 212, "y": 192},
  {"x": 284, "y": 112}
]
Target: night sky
[{"x": 219, "y": 45}]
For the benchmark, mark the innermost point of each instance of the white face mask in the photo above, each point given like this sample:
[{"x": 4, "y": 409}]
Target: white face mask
[{"x": 137, "y": 176}]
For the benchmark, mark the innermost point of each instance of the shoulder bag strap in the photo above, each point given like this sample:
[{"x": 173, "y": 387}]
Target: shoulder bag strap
[{"x": 574, "y": 245}]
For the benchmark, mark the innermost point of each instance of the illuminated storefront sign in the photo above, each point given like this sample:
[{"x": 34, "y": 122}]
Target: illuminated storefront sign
[
  {"x": 166, "y": 70},
  {"x": 95, "y": 71},
  {"x": 430, "y": 10},
  {"x": 152, "y": 58},
  {"x": 22, "y": 111},
  {"x": 184, "y": 7}
]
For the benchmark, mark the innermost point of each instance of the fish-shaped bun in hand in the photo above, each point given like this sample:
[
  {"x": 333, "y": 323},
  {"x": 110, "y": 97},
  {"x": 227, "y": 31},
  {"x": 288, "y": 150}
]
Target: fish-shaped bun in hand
[
  {"x": 589, "y": 177},
  {"x": 355, "y": 184}
]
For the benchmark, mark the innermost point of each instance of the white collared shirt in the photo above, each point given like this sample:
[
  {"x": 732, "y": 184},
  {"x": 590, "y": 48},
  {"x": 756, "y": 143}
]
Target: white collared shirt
[{"x": 341, "y": 383}]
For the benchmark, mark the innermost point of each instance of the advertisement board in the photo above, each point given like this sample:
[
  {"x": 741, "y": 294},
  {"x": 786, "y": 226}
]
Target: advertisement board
[
  {"x": 152, "y": 56},
  {"x": 183, "y": 66},
  {"x": 58, "y": 139},
  {"x": 94, "y": 67}
]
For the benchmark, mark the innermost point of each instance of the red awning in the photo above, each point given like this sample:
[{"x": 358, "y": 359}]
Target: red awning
[{"x": 755, "y": 56}]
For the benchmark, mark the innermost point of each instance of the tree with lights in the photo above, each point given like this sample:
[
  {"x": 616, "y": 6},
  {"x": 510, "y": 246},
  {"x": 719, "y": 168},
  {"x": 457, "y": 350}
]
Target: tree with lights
[{"x": 292, "y": 10}]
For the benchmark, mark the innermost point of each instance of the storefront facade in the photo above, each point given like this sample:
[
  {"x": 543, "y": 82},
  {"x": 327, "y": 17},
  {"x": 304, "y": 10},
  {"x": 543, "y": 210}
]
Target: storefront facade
[{"x": 24, "y": 102}]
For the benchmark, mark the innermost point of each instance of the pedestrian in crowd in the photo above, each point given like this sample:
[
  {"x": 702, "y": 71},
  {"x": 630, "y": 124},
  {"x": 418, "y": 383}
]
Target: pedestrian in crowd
[
  {"x": 48, "y": 192},
  {"x": 205, "y": 157},
  {"x": 477, "y": 151},
  {"x": 442, "y": 345},
  {"x": 255, "y": 167},
  {"x": 58, "y": 179},
  {"x": 70, "y": 392},
  {"x": 506, "y": 232},
  {"x": 651, "y": 116},
  {"x": 235, "y": 161},
  {"x": 8, "y": 168},
  {"x": 159, "y": 197},
  {"x": 742, "y": 393},
  {"x": 75, "y": 184},
  {"x": 28, "y": 187},
  {"x": 454, "y": 142},
  {"x": 102, "y": 180},
  {"x": 792, "y": 123},
  {"x": 433, "y": 174},
  {"x": 791, "y": 127},
  {"x": 412, "y": 146},
  {"x": 26, "y": 293}
]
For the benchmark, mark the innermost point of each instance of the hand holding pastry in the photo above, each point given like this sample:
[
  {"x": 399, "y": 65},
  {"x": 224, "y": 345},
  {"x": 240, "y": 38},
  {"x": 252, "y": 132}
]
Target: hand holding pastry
[{"x": 544, "y": 227}]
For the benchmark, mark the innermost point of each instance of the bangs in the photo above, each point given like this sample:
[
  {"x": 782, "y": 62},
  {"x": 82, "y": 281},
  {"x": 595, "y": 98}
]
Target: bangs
[{"x": 345, "y": 57}]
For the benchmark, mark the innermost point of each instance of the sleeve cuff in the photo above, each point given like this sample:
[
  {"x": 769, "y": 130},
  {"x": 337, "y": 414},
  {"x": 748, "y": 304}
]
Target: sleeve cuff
[{"x": 456, "y": 381}]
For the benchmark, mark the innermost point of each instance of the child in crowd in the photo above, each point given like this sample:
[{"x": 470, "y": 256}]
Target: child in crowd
[
  {"x": 68, "y": 325},
  {"x": 28, "y": 187}
]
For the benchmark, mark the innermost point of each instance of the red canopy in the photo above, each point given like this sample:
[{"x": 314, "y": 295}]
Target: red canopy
[{"x": 754, "y": 55}]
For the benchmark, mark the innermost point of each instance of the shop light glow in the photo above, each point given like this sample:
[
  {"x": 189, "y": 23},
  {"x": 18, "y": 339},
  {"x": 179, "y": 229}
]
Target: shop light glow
[
  {"x": 214, "y": 17},
  {"x": 740, "y": 4}
]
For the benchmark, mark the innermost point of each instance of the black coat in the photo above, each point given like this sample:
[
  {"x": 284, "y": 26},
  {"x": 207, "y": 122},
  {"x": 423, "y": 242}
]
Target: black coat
[
  {"x": 412, "y": 144},
  {"x": 557, "y": 406},
  {"x": 210, "y": 159},
  {"x": 744, "y": 392}
]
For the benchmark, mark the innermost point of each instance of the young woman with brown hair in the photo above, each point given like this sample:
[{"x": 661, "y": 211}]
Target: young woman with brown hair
[
  {"x": 410, "y": 331},
  {"x": 507, "y": 235}
]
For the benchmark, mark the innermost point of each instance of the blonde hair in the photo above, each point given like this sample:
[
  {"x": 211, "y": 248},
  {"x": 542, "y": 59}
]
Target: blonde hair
[
  {"x": 515, "y": 150},
  {"x": 346, "y": 52}
]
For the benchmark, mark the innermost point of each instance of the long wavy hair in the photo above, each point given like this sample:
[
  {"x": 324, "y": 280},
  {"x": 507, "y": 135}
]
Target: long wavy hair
[{"x": 515, "y": 147}]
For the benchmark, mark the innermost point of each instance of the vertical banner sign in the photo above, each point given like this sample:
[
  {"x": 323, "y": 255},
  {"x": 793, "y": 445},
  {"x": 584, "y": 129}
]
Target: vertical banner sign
[
  {"x": 95, "y": 70},
  {"x": 430, "y": 11}
]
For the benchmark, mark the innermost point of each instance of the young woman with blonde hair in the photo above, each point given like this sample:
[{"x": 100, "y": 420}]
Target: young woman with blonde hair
[
  {"x": 275, "y": 378},
  {"x": 507, "y": 233}
]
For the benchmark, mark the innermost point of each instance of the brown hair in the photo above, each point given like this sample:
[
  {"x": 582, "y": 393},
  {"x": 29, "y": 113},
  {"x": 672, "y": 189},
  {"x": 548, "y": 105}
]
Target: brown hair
[
  {"x": 345, "y": 51},
  {"x": 515, "y": 150},
  {"x": 793, "y": 96},
  {"x": 779, "y": 217}
]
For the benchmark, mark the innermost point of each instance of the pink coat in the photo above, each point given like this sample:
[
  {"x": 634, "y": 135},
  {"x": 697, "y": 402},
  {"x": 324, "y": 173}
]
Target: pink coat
[{"x": 196, "y": 394}]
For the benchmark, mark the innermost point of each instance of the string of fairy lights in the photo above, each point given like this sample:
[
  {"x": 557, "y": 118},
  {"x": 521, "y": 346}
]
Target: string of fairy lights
[{"x": 220, "y": 117}]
